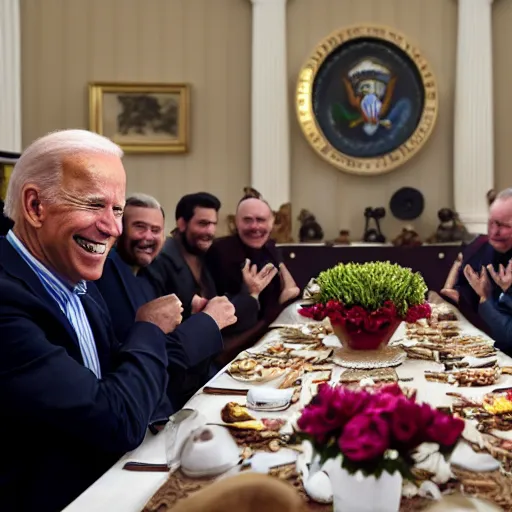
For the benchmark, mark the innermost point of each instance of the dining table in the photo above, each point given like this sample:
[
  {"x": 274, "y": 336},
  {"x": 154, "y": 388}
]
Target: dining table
[{"x": 120, "y": 490}]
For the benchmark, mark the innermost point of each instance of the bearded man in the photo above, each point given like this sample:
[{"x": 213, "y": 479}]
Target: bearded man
[{"x": 124, "y": 288}]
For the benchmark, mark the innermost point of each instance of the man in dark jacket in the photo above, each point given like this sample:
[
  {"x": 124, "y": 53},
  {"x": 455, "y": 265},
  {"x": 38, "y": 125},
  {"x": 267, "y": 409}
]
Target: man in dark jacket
[
  {"x": 124, "y": 289},
  {"x": 73, "y": 399},
  {"x": 494, "y": 249},
  {"x": 254, "y": 220},
  {"x": 181, "y": 264}
]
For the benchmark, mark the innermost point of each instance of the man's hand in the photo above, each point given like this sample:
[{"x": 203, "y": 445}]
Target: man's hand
[
  {"x": 503, "y": 278},
  {"x": 222, "y": 311},
  {"x": 198, "y": 304},
  {"x": 256, "y": 281},
  {"x": 449, "y": 286},
  {"x": 478, "y": 281},
  {"x": 289, "y": 288},
  {"x": 164, "y": 312}
]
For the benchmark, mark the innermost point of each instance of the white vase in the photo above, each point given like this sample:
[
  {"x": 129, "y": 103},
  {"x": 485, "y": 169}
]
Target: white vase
[{"x": 359, "y": 493}]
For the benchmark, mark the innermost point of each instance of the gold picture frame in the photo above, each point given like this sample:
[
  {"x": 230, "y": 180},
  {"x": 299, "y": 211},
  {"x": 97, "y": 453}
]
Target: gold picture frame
[
  {"x": 141, "y": 118},
  {"x": 330, "y": 137},
  {"x": 5, "y": 176}
]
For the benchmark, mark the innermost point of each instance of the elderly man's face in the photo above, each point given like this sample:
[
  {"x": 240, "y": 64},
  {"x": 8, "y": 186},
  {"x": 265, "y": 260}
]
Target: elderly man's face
[
  {"x": 254, "y": 221},
  {"x": 499, "y": 226},
  {"x": 78, "y": 230},
  {"x": 143, "y": 235}
]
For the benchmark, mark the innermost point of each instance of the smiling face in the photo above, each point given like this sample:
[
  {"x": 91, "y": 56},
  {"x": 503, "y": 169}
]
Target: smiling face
[
  {"x": 143, "y": 235},
  {"x": 499, "y": 227},
  {"x": 199, "y": 231},
  {"x": 254, "y": 221},
  {"x": 74, "y": 234}
]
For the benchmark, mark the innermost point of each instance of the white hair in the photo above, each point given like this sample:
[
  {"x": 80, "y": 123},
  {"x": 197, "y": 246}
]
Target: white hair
[
  {"x": 41, "y": 163},
  {"x": 505, "y": 194},
  {"x": 143, "y": 200}
]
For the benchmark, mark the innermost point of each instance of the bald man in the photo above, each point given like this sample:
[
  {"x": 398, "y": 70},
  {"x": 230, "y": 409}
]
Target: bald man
[{"x": 254, "y": 220}]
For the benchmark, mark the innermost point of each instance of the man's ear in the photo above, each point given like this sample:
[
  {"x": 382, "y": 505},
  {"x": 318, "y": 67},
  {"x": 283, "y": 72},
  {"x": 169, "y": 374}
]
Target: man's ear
[
  {"x": 181, "y": 224},
  {"x": 32, "y": 208}
]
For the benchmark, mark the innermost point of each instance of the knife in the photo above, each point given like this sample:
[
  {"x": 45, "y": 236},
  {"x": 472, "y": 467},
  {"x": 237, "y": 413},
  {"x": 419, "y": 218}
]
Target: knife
[
  {"x": 146, "y": 466},
  {"x": 209, "y": 390}
]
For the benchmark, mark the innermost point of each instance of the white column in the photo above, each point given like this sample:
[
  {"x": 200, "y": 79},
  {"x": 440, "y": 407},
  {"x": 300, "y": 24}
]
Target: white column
[
  {"x": 10, "y": 76},
  {"x": 474, "y": 129},
  {"x": 270, "y": 144}
]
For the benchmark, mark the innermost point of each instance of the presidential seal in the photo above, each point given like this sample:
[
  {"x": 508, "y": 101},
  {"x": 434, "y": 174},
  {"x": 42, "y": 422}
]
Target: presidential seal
[{"x": 366, "y": 99}]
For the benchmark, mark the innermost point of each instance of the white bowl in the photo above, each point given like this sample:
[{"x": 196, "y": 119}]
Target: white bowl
[{"x": 209, "y": 451}]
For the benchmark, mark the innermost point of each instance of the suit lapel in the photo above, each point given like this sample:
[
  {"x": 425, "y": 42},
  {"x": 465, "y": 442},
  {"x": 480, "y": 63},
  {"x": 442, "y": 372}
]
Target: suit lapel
[
  {"x": 16, "y": 267},
  {"x": 99, "y": 322},
  {"x": 127, "y": 279}
]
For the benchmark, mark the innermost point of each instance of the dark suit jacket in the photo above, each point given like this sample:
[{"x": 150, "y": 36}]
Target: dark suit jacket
[
  {"x": 477, "y": 254},
  {"x": 225, "y": 260},
  {"x": 60, "y": 426},
  {"x": 498, "y": 316},
  {"x": 190, "y": 346},
  {"x": 169, "y": 273}
]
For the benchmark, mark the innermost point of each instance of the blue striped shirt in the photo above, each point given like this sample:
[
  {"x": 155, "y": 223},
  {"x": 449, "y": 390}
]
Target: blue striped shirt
[{"x": 68, "y": 299}]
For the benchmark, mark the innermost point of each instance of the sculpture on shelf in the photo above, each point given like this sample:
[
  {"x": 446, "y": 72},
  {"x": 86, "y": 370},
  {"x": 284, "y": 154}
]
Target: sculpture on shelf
[
  {"x": 231, "y": 224},
  {"x": 491, "y": 196},
  {"x": 342, "y": 239},
  {"x": 282, "y": 230},
  {"x": 310, "y": 230},
  {"x": 450, "y": 229},
  {"x": 374, "y": 235},
  {"x": 407, "y": 238}
]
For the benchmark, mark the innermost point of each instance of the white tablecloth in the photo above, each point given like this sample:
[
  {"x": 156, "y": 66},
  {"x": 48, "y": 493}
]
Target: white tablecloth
[{"x": 127, "y": 491}]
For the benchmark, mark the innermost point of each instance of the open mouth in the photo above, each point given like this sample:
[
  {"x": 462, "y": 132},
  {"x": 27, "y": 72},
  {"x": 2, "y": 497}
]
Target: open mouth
[
  {"x": 148, "y": 249},
  {"x": 90, "y": 246}
]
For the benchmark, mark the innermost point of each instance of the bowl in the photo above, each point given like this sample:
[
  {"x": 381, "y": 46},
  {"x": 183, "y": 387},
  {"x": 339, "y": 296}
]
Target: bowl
[{"x": 209, "y": 451}]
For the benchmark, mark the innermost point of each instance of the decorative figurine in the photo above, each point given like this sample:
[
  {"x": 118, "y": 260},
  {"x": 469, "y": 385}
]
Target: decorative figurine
[
  {"x": 491, "y": 196},
  {"x": 374, "y": 235},
  {"x": 407, "y": 238},
  {"x": 282, "y": 230},
  {"x": 310, "y": 230},
  {"x": 451, "y": 229},
  {"x": 343, "y": 238}
]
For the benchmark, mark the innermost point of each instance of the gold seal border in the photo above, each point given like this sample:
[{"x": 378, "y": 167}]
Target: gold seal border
[{"x": 315, "y": 136}]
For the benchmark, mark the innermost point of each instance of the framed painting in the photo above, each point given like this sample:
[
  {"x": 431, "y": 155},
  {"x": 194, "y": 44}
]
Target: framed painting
[{"x": 142, "y": 118}]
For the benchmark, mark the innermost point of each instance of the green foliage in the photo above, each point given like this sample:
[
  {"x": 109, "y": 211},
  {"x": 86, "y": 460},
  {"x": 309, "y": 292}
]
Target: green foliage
[{"x": 369, "y": 285}]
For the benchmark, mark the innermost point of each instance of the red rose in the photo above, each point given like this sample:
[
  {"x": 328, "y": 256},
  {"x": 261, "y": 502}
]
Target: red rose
[
  {"x": 415, "y": 313},
  {"x": 444, "y": 429},
  {"x": 355, "y": 317},
  {"x": 376, "y": 321},
  {"x": 391, "y": 389},
  {"x": 364, "y": 437},
  {"x": 383, "y": 403},
  {"x": 404, "y": 421},
  {"x": 330, "y": 410}
]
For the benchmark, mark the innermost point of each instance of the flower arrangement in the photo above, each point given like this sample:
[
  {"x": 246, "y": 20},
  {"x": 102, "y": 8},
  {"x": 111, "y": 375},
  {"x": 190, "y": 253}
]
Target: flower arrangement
[
  {"x": 374, "y": 431},
  {"x": 368, "y": 297}
]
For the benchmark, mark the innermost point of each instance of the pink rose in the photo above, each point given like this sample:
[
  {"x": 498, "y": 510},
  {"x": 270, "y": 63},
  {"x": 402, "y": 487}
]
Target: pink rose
[
  {"x": 444, "y": 429},
  {"x": 404, "y": 421},
  {"x": 382, "y": 403},
  {"x": 330, "y": 410},
  {"x": 364, "y": 437}
]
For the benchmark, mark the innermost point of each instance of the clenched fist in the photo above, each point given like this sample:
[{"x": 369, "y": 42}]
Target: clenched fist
[
  {"x": 164, "y": 312},
  {"x": 222, "y": 311}
]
